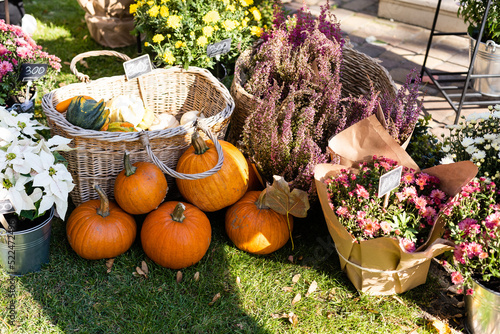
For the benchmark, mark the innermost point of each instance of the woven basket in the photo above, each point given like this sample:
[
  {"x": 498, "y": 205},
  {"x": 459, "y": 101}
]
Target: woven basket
[
  {"x": 98, "y": 155},
  {"x": 357, "y": 71}
]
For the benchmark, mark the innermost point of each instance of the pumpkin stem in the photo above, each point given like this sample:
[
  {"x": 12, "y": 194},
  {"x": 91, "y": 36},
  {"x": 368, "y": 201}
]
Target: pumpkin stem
[
  {"x": 178, "y": 214},
  {"x": 198, "y": 143},
  {"x": 129, "y": 169},
  {"x": 261, "y": 200},
  {"x": 104, "y": 208}
]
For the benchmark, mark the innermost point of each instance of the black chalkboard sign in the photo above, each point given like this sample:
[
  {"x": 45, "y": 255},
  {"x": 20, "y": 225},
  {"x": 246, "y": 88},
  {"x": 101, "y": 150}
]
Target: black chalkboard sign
[
  {"x": 219, "y": 48},
  {"x": 31, "y": 72},
  {"x": 138, "y": 66}
]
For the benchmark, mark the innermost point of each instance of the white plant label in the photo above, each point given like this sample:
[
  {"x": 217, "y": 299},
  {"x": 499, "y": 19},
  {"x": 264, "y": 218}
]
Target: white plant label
[{"x": 389, "y": 181}]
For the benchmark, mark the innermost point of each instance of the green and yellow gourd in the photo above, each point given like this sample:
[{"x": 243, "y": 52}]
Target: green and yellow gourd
[{"x": 87, "y": 113}]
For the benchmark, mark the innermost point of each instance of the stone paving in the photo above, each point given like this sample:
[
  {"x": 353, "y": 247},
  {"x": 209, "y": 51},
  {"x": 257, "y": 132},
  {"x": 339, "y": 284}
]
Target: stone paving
[{"x": 400, "y": 48}]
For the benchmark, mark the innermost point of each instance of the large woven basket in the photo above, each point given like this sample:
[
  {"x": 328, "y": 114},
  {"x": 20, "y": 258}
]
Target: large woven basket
[
  {"x": 357, "y": 71},
  {"x": 98, "y": 155}
]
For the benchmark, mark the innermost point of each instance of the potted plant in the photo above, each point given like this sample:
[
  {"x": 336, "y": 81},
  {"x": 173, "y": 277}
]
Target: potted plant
[
  {"x": 35, "y": 184},
  {"x": 472, "y": 219},
  {"x": 488, "y": 58},
  {"x": 17, "y": 48}
]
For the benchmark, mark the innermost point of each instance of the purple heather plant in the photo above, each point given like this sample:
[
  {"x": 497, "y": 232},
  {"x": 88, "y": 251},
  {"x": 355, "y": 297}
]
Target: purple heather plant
[{"x": 402, "y": 112}]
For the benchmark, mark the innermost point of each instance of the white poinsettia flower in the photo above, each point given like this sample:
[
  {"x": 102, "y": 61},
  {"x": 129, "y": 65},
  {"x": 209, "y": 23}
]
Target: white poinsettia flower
[
  {"x": 497, "y": 107},
  {"x": 490, "y": 136},
  {"x": 479, "y": 155},
  {"x": 496, "y": 114},
  {"x": 478, "y": 116},
  {"x": 58, "y": 143},
  {"x": 467, "y": 141},
  {"x": 479, "y": 140},
  {"x": 447, "y": 159},
  {"x": 446, "y": 148}
]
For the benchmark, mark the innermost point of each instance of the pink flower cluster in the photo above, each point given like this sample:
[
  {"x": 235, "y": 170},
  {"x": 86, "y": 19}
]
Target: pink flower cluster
[
  {"x": 473, "y": 224},
  {"x": 16, "y": 48},
  {"x": 410, "y": 214}
]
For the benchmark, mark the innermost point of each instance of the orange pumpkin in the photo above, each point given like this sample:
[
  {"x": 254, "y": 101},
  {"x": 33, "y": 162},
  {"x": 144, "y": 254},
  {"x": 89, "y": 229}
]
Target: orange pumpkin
[
  {"x": 255, "y": 228},
  {"x": 100, "y": 229},
  {"x": 176, "y": 235},
  {"x": 219, "y": 190},
  {"x": 140, "y": 188}
]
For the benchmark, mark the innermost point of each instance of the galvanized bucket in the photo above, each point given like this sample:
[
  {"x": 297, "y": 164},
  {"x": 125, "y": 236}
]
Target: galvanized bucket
[
  {"x": 483, "y": 310},
  {"x": 487, "y": 62},
  {"x": 25, "y": 251}
]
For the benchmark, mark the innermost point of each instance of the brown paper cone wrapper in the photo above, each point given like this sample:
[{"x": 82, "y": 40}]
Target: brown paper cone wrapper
[{"x": 380, "y": 266}]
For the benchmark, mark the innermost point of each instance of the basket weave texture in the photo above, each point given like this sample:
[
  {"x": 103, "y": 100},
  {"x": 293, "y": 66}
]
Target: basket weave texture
[
  {"x": 98, "y": 155},
  {"x": 357, "y": 71}
]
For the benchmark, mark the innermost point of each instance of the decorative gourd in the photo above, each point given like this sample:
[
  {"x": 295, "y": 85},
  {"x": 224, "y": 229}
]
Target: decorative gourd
[
  {"x": 219, "y": 190},
  {"x": 147, "y": 120},
  {"x": 63, "y": 105},
  {"x": 139, "y": 188},
  {"x": 100, "y": 229},
  {"x": 164, "y": 121},
  {"x": 119, "y": 127},
  {"x": 255, "y": 228},
  {"x": 124, "y": 108},
  {"x": 176, "y": 235},
  {"x": 87, "y": 114},
  {"x": 191, "y": 116}
]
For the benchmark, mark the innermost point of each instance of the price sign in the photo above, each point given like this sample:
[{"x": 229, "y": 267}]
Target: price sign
[
  {"x": 219, "y": 48},
  {"x": 389, "y": 181},
  {"x": 6, "y": 206},
  {"x": 31, "y": 72},
  {"x": 138, "y": 66}
]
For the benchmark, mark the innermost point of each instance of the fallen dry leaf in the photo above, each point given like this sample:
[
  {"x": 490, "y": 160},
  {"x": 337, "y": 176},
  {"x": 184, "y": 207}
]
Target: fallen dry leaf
[
  {"x": 238, "y": 280},
  {"x": 399, "y": 300},
  {"x": 196, "y": 276},
  {"x": 293, "y": 318},
  {"x": 312, "y": 288},
  {"x": 287, "y": 288},
  {"x": 295, "y": 278},
  {"x": 290, "y": 258},
  {"x": 109, "y": 264},
  {"x": 296, "y": 299},
  {"x": 279, "y": 316},
  {"x": 441, "y": 327},
  {"x": 178, "y": 277},
  {"x": 144, "y": 267},
  {"x": 217, "y": 296},
  {"x": 139, "y": 272}
]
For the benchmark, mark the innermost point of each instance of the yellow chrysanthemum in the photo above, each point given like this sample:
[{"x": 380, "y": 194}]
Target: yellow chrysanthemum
[
  {"x": 256, "y": 13},
  {"x": 202, "y": 41},
  {"x": 208, "y": 31},
  {"x": 174, "y": 21},
  {"x": 192, "y": 34},
  {"x": 184, "y": 44},
  {"x": 146, "y": 44},
  {"x": 133, "y": 8},
  {"x": 231, "y": 8},
  {"x": 244, "y": 22},
  {"x": 164, "y": 11},
  {"x": 151, "y": 3},
  {"x": 257, "y": 31},
  {"x": 154, "y": 11},
  {"x": 168, "y": 35},
  {"x": 158, "y": 38},
  {"x": 164, "y": 1},
  {"x": 178, "y": 44},
  {"x": 229, "y": 25},
  {"x": 211, "y": 17},
  {"x": 168, "y": 57},
  {"x": 246, "y": 3}
]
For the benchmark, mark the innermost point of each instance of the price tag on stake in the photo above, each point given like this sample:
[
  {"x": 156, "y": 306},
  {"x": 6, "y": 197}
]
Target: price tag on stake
[
  {"x": 32, "y": 72},
  {"x": 219, "y": 48},
  {"x": 138, "y": 66},
  {"x": 389, "y": 181}
]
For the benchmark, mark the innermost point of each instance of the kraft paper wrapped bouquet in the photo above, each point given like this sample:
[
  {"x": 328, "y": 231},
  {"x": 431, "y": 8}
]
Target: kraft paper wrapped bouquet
[{"x": 385, "y": 245}]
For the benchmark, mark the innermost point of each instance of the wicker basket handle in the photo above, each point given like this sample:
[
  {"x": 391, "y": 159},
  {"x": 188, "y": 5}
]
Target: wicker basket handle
[
  {"x": 173, "y": 173},
  {"x": 85, "y": 78}
]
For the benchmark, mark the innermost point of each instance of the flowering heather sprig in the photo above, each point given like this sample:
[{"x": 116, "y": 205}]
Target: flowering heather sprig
[
  {"x": 473, "y": 224},
  {"x": 357, "y": 108},
  {"x": 403, "y": 111},
  {"x": 303, "y": 23},
  {"x": 412, "y": 210}
]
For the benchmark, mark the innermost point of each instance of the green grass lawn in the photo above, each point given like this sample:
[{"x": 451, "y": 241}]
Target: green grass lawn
[{"x": 235, "y": 292}]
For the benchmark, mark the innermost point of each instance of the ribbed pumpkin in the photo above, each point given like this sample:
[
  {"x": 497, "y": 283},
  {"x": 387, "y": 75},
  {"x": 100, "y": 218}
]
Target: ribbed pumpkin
[
  {"x": 100, "y": 229},
  {"x": 87, "y": 113},
  {"x": 255, "y": 228},
  {"x": 140, "y": 187},
  {"x": 176, "y": 235},
  {"x": 219, "y": 190}
]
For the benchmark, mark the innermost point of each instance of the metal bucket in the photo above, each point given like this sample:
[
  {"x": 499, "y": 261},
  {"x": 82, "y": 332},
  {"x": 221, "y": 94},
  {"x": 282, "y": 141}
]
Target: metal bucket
[
  {"x": 483, "y": 310},
  {"x": 487, "y": 62},
  {"x": 25, "y": 251}
]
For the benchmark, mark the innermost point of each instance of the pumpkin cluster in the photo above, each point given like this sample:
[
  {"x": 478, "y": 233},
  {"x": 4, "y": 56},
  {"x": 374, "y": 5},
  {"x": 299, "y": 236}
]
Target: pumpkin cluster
[{"x": 177, "y": 234}]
